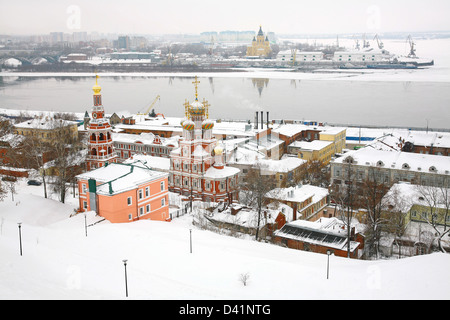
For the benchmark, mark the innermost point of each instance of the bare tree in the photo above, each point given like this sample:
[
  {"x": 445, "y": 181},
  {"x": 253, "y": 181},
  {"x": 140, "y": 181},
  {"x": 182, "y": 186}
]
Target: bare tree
[
  {"x": 66, "y": 149},
  {"x": 255, "y": 186},
  {"x": 345, "y": 198},
  {"x": 315, "y": 172},
  {"x": 34, "y": 154},
  {"x": 372, "y": 193},
  {"x": 244, "y": 277},
  {"x": 397, "y": 208},
  {"x": 436, "y": 200}
]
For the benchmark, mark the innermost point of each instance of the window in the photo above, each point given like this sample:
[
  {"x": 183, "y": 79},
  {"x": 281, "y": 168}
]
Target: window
[
  {"x": 163, "y": 202},
  {"x": 129, "y": 201},
  {"x": 162, "y": 186},
  {"x": 83, "y": 188},
  {"x": 84, "y": 204},
  {"x": 147, "y": 191},
  {"x": 147, "y": 208},
  {"x": 141, "y": 211},
  {"x": 130, "y": 216},
  {"x": 140, "y": 194}
]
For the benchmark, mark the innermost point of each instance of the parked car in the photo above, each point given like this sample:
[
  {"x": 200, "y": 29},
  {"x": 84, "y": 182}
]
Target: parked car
[{"x": 34, "y": 183}]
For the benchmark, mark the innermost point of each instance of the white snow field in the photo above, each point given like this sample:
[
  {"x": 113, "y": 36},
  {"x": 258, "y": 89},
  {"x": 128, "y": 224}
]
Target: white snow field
[{"x": 59, "y": 262}]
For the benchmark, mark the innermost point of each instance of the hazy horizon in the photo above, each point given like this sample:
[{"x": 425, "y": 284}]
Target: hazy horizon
[{"x": 26, "y": 17}]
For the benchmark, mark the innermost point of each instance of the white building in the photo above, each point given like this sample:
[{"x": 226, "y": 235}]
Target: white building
[
  {"x": 362, "y": 56},
  {"x": 300, "y": 56},
  {"x": 391, "y": 166}
]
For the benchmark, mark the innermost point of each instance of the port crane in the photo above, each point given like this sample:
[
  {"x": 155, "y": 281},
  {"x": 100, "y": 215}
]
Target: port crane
[
  {"x": 380, "y": 44},
  {"x": 412, "y": 51},
  {"x": 150, "y": 107}
]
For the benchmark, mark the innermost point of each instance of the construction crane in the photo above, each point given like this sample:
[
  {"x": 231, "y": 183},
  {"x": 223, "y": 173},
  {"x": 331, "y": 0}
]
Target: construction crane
[
  {"x": 151, "y": 106},
  {"x": 412, "y": 51},
  {"x": 294, "y": 56},
  {"x": 380, "y": 44}
]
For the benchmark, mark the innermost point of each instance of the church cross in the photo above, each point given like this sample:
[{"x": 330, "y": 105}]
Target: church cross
[{"x": 196, "y": 82}]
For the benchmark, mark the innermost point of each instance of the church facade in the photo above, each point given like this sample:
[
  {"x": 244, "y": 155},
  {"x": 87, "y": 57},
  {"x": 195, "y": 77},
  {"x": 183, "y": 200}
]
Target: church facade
[
  {"x": 260, "y": 46},
  {"x": 197, "y": 167}
]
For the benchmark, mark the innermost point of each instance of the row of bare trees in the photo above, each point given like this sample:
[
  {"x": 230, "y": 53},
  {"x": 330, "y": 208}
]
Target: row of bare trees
[
  {"x": 383, "y": 210},
  {"x": 58, "y": 157}
]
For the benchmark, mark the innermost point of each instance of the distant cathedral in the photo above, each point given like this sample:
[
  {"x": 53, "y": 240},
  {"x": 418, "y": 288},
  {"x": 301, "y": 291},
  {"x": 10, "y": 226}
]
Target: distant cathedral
[{"x": 260, "y": 45}]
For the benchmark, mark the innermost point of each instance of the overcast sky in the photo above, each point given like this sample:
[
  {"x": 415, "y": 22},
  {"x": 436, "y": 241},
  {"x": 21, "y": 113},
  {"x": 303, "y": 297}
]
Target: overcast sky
[{"x": 195, "y": 16}]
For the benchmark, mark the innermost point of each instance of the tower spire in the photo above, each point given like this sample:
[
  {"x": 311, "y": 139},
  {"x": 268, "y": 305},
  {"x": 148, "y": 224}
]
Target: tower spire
[{"x": 196, "y": 82}]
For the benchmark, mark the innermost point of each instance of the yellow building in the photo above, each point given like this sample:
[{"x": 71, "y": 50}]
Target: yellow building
[
  {"x": 313, "y": 150},
  {"x": 260, "y": 46},
  {"x": 336, "y": 135},
  {"x": 46, "y": 128}
]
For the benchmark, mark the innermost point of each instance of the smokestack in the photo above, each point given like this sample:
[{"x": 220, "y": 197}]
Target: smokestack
[
  {"x": 262, "y": 120},
  {"x": 256, "y": 126}
]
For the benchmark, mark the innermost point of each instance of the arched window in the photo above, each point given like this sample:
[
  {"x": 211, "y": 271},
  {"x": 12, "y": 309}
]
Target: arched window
[
  {"x": 101, "y": 137},
  {"x": 94, "y": 152},
  {"x": 93, "y": 137}
]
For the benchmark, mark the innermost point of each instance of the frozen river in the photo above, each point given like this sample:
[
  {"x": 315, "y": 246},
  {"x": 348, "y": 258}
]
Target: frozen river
[{"x": 410, "y": 98}]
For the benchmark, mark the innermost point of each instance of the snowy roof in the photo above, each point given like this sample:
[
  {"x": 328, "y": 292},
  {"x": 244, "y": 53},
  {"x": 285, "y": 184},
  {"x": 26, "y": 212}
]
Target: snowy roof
[
  {"x": 290, "y": 130},
  {"x": 146, "y": 138},
  {"x": 245, "y": 217},
  {"x": 12, "y": 139},
  {"x": 311, "y": 145},
  {"x": 399, "y": 160},
  {"x": 245, "y": 155},
  {"x": 298, "y": 193},
  {"x": 328, "y": 232},
  {"x": 284, "y": 165},
  {"x": 44, "y": 123},
  {"x": 116, "y": 178},
  {"x": 403, "y": 195},
  {"x": 225, "y": 172},
  {"x": 151, "y": 162}
]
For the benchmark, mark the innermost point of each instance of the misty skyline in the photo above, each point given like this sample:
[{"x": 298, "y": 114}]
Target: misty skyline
[{"x": 193, "y": 17}]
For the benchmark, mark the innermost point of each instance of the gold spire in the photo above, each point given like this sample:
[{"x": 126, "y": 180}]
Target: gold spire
[
  {"x": 96, "y": 88},
  {"x": 186, "y": 109},
  {"x": 196, "y": 82},
  {"x": 206, "y": 105}
]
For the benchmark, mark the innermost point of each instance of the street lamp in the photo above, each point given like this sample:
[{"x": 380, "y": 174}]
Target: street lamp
[
  {"x": 328, "y": 261},
  {"x": 190, "y": 238},
  {"x": 126, "y": 285},
  {"x": 20, "y": 237},
  {"x": 85, "y": 224}
]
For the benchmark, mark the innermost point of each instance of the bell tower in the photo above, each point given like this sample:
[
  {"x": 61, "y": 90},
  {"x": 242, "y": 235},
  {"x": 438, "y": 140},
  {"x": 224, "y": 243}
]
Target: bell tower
[{"x": 100, "y": 144}]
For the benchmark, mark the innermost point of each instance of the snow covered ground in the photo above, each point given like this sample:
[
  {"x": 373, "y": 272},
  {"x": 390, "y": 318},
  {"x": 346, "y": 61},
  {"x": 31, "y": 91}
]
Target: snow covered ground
[{"x": 60, "y": 262}]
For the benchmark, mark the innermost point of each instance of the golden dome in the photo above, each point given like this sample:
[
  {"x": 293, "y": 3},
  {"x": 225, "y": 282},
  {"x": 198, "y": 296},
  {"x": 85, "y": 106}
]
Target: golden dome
[
  {"x": 96, "y": 88},
  {"x": 218, "y": 150}
]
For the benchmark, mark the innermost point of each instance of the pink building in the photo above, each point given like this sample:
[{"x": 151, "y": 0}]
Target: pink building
[{"x": 125, "y": 193}]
